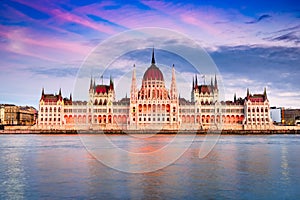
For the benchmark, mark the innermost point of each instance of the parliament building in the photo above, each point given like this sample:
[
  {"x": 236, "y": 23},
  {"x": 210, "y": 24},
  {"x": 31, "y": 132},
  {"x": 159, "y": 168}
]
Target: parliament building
[{"x": 154, "y": 106}]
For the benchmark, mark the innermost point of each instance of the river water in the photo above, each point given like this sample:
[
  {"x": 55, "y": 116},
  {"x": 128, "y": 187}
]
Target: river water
[{"x": 238, "y": 167}]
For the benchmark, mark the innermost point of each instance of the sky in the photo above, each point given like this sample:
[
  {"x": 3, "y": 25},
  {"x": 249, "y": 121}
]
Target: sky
[{"x": 254, "y": 44}]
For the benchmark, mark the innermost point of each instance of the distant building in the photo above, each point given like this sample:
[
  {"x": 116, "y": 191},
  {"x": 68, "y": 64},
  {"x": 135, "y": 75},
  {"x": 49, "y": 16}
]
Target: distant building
[
  {"x": 154, "y": 106},
  {"x": 297, "y": 121},
  {"x": 257, "y": 111},
  {"x": 290, "y": 115},
  {"x": 10, "y": 114},
  {"x": 27, "y": 115},
  {"x": 2, "y": 111},
  {"x": 276, "y": 115},
  {"x": 18, "y": 115}
]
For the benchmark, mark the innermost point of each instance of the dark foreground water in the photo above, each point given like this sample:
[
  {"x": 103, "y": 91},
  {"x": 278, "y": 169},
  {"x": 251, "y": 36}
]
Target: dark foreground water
[{"x": 239, "y": 167}]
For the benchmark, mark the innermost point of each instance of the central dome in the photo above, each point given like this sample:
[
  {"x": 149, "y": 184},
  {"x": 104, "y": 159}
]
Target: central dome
[{"x": 153, "y": 72}]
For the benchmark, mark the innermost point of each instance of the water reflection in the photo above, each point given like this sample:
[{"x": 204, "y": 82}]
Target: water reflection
[
  {"x": 239, "y": 167},
  {"x": 137, "y": 155},
  {"x": 12, "y": 179},
  {"x": 284, "y": 164}
]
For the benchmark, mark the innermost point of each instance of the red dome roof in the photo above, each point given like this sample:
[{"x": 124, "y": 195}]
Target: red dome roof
[
  {"x": 102, "y": 88},
  {"x": 153, "y": 73}
]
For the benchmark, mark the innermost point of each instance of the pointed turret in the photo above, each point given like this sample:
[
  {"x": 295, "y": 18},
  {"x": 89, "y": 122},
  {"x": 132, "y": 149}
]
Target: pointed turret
[
  {"x": 111, "y": 83},
  {"x": 193, "y": 84},
  {"x": 91, "y": 83},
  {"x": 59, "y": 93},
  {"x": 153, "y": 59},
  {"x": 43, "y": 93},
  {"x": 173, "y": 85},
  {"x": 216, "y": 83},
  {"x": 133, "y": 84},
  {"x": 196, "y": 82},
  {"x": 94, "y": 86},
  {"x": 70, "y": 96},
  {"x": 234, "y": 98},
  {"x": 248, "y": 93},
  {"x": 211, "y": 82},
  {"x": 265, "y": 93}
]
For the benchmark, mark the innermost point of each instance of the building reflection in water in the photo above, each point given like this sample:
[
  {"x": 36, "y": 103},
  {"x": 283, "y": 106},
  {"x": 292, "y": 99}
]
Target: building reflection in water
[
  {"x": 239, "y": 167},
  {"x": 137, "y": 155},
  {"x": 284, "y": 165}
]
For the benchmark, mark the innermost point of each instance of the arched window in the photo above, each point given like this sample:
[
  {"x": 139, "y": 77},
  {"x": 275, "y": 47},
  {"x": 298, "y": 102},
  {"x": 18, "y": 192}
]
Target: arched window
[
  {"x": 42, "y": 109},
  {"x": 55, "y": 109},
  {"x": 50, "y": 109}
]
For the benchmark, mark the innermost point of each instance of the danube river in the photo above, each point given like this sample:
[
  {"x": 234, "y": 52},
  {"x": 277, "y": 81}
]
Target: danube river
[{"x": 239, "y": 167}]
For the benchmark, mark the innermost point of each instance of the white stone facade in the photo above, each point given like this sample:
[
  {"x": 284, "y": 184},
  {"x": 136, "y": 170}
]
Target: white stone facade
[{"x": 153, "y": 106}]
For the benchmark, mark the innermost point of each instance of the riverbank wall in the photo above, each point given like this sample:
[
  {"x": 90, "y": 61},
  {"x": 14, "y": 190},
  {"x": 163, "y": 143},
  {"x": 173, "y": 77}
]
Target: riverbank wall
[{"x": 30, "y": 130}]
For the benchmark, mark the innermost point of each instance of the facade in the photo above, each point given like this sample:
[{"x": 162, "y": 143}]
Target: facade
[
  {"x": 276, "y": 115},
  {"x": 297, "y": 121},
  {"x": 2, "y": 111},
  {"x": 18, "y": 115},
  {"x": 289, "y": 116},
  {"x": 154, "y": 106},
  {"x": 11, "y": 115}
]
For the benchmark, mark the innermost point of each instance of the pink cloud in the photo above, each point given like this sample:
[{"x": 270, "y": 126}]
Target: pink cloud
[
  {"x": 190, "y": 19},
  {"x": 68, "y": 17},
  {"x": 189, "y": 15},
  {"x": 65, "y": 16},
  {"x": 18, "y": 41},
  {"x": 132, "y": 17}
]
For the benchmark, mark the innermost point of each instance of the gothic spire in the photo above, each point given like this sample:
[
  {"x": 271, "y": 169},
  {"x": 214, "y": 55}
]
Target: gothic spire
[
  {"x": 173, "y": 84},
  {"x": 216, "y": 83},
  {"x": 153, "y": 59},
  {"x": 91, "y": 84},
  {"x": 193, "y": 84},
  {"x": 196, "y": 81},
  {"x": 265, "y": 93},
  {"x": 111, "y": 83},
  {"x": 59, "y": 92},
  {"x": 133, "y": 91}
]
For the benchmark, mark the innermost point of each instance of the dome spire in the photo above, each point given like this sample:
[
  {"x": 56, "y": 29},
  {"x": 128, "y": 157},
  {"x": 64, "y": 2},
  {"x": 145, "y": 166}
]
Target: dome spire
[{"x": 153, "y": 59}]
